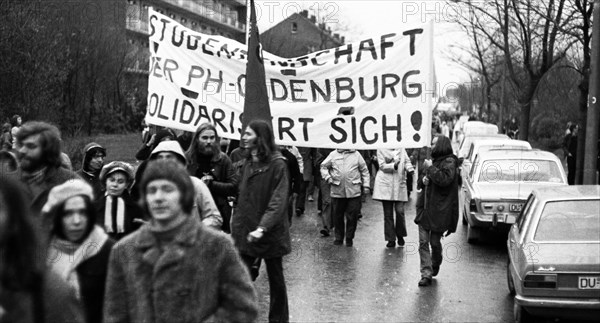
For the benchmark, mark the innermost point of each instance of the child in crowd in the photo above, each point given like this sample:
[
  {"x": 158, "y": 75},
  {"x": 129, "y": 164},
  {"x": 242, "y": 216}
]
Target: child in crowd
[{"x": 120, "y": 214}]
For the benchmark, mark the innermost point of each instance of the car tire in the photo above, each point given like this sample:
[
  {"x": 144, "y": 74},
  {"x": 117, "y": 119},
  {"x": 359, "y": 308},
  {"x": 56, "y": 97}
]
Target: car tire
[
  {"x": 521, "y": 315},
  {"x": 472, "y": 234},
  {"x": 509, "y": 280}
]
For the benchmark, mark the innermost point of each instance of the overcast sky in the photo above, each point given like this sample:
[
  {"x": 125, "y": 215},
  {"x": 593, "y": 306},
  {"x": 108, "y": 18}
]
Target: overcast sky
[{"x": 360, "y": 19}]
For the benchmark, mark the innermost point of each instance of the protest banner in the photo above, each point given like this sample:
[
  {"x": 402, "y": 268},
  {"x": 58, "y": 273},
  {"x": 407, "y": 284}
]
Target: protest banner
[{"x": 376, "y": 93}]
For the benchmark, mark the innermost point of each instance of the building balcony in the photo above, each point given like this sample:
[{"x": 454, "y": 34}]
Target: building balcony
[{"x": 207, "y": 12}]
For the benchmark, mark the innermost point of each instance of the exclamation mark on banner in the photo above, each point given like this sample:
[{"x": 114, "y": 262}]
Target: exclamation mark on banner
[{"x": 417, "y": 121}]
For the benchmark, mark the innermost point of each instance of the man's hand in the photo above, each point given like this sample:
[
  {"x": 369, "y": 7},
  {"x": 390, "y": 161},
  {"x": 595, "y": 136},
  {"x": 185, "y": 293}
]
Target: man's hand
[
  {"x": 207, "y": 179},
  {"x": 151, "y": 141},
  {"x": 427, "y": 163},
  {"x": 425, "y": 180},
  {"x": 256, "y": 235}
]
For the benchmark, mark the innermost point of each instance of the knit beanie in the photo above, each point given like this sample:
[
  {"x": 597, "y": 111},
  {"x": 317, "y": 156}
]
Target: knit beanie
[
  {"x": 171, "y": 171},
  {"x": 71, "y": 188}
]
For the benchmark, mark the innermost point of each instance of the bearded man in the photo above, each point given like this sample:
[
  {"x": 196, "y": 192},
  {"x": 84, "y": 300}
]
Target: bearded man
[
  {"x": 207, "y": 162},
  {"x": 39, "y": 154}
]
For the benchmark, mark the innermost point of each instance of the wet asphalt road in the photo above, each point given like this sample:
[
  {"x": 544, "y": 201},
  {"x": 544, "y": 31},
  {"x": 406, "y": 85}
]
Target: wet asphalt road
[{"x": 371, "y": 283}]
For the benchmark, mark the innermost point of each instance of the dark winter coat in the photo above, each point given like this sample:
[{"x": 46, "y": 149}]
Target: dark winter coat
[
  {"x": 37, "y": 193},
  {"x": 199, "y": 277},
  {"x": 224, "y": 181},
  {"x": 92, "y": 279},
  {"x": 262, "y": 201},
  {"x": 294, "y": 171},
  {"x": 132, "y": 211},
  {"x": 440, "y": 205}
]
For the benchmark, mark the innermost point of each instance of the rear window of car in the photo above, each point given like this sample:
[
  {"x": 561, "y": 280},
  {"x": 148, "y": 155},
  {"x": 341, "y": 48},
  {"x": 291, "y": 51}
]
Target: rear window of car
[
  {"x": 522, "y": 170},
  {"x": 569, "y": 221}
]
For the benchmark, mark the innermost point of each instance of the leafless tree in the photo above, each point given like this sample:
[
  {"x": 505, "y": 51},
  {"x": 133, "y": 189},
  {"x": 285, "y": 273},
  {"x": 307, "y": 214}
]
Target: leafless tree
[{"x": 527, "y": 33}]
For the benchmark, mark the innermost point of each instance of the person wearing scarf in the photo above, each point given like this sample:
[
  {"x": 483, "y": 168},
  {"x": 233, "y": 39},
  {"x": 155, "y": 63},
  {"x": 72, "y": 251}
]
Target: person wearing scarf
[
  {"x": 121, "y": 215},
  {"x": 79, "y": 249},
  {"x": 174, "y": 268}
]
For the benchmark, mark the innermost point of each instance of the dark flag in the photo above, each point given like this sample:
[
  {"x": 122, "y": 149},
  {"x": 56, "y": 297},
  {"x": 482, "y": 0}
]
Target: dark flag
[{"x": 256, "y": 101}]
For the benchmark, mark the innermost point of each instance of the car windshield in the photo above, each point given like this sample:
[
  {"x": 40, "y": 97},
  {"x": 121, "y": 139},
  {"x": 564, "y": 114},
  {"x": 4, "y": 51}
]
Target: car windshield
[
  {"x": 522, "y": 170},
  {"x": 574, "y": 221}
]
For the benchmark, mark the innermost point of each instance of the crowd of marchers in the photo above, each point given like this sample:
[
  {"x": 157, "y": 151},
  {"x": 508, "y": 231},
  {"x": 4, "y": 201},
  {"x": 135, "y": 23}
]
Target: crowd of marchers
[{"x": 181, "y": 236}]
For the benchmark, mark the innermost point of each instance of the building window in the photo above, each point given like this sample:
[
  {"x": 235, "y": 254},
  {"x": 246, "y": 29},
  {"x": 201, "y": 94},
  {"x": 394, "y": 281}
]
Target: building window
[
  {"x": 294, "y": 27},
  {"x": 145, "y": 7},
  {"x": 131, "y": 41},
  {"x": 172, "y": 15},
  {"x": 194, "y": 23},
  {"x": 183, "y": 20}
]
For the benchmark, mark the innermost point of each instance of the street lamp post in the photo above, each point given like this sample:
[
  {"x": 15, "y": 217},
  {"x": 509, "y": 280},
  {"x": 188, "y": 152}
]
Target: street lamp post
[{"x": 591, "y": 132}]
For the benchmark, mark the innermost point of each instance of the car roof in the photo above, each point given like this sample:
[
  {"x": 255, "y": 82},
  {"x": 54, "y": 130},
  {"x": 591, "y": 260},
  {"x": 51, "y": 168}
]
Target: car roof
[
  {"x": 500, "y": 142},
  {"x": 496, "y": 153},
  {"x": 471, "y": 136},
  {"x": 567, "y": 192}
]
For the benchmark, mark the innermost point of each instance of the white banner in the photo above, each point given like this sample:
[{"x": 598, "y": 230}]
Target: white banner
[{"x": 377, "y": 93}]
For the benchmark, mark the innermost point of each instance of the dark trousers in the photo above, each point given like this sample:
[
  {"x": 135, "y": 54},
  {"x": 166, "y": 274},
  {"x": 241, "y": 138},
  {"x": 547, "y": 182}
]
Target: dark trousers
[
  {"x": 433, "y": 258},
  {"x": 225, "y": 211},
  {"x": 409, "y": 183},
  {"x": 393, "y": 230},
  {"x": 571, "y": 161},
  {"x": 348, "y": 209},
  {"x": 278, "y": 302},
  {"x": 290, "y": 208},
  {"x": 300, "y": 202}
]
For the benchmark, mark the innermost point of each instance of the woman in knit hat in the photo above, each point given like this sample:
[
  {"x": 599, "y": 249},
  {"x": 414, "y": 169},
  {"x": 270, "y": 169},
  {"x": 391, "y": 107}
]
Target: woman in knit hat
[
  {"x": 79, "y": 249},
  {"x": 120, "y": 213}
]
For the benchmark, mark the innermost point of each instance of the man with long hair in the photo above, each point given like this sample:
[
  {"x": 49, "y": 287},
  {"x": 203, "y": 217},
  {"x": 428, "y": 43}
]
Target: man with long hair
[
  {"x": 175, "y": 269},
  {"x": 207, "y": 162},
  {"x": 260, "y": 226},
  {"x": 39, "y": 154},
  {"x": 437, "y": 206}
]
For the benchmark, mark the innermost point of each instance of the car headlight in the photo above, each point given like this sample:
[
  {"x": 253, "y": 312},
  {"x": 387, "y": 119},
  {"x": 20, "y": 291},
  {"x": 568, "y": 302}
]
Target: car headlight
[{"x": 500, "y": 208}]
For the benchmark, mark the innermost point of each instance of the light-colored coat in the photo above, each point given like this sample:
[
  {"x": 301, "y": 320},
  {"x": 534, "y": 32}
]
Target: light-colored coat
[
  {"x": 390, "y": 181},
  {"x": 347, "y": 171}
]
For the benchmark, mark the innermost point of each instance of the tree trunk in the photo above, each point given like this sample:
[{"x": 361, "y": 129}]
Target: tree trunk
[
  {"x": 583, "y": 105},
  {"x": 524, "y": 123}
]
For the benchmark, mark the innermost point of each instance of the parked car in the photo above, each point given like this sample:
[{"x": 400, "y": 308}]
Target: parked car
[
  {"x": 458, "y": 128},
  {"x": 554, "y": 254},
  {"x": 481, "y": 145},
  {"x": 499, "y": 183},
  {"x": 465, "y": 144},
  {"x": 479, "y": 128}
]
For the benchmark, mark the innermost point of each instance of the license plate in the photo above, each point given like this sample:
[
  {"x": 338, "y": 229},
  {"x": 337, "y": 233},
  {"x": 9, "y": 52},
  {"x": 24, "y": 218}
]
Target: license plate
[
  {"x": 589, "y": 282},
  {"x": 515, "y": 207}
]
